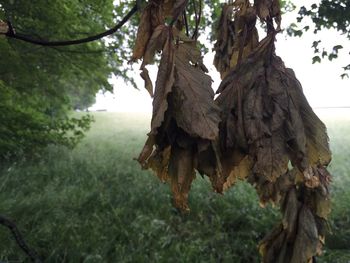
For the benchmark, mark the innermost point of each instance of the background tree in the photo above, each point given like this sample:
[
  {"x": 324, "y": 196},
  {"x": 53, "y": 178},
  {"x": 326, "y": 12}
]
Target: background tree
[
  {"x": 40, "y": 85},
  {"x": 322, "y": 15}
]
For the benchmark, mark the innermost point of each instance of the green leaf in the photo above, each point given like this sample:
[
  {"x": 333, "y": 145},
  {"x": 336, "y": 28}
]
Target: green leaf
[
  {"x": 313, "y": 6},
  {"x": 316, "y": 59},
  {"x": 344, "y": 75},
  {"x": 337, "y": 47},
  {"x": 332, "y": 56}
]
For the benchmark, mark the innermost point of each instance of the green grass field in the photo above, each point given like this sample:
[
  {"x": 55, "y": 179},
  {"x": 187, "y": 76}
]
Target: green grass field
[{"x": 95, "y": 204}]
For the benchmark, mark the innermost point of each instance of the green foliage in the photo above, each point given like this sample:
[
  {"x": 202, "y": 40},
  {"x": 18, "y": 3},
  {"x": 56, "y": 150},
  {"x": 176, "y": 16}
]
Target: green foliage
[
  {"x": 324, "y": 15},
  {"x": 329, "y": 14},
  {"x": 41, "y": 85},
  {"x": 25, "y": 128},
  {"x": 94, "y": 204},
  {"x": 58, "y": 72}
]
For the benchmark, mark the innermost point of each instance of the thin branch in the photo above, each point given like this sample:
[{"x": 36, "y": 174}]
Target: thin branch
[
  {"x": 19, "y": 239},
  {"x": 186, "y": 23},
  {"x": 198, "y": 18},
  {"x": 195, "y": 9},
  {"x": 12, "y": 34}
]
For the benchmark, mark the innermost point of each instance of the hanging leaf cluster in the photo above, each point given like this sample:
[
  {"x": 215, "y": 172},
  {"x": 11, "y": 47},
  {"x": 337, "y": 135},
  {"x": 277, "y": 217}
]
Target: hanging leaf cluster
[
  {"x": 185, "y": 118},
  {"x": 260, "y": 128}
]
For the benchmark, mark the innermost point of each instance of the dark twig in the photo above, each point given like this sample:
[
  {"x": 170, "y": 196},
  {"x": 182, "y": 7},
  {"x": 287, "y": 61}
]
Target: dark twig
[
  {"x": 19, "y": 239},
  {"x": 195, "y": 9},
  {"x": 195, "y": 32},
  {"x": 198, "y": 20},
  {"x": 199, "y": 13},
  {"x": 12, "y": 34},
  {"x": 186, "y": 23}
]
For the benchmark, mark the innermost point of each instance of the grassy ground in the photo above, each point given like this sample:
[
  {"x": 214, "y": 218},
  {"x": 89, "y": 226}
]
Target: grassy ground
[{"x": 94, "y": 204}]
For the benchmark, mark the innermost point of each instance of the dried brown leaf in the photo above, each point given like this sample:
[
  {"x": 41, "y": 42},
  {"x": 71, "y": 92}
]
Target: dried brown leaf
[
  {"x": 225, "y": 39},
  {"x": 168, "y": 6},
  {"x": 146, "y": 151},
  {"x": 164, "y": 83},
  {"x": 185, "y": 118},
  {"x": 268, "y": 9},
  {"x": 237, "y": 38},
  {"x": 197, "y": 114},
  {"x": 181, "y": 173},
  {"x": 271, "y": 158},
  {"x": 317, "y": 146},
  {"x": 239, "y": 172},
  {"x": 159, "y": 163},
  {"x": 290, "y": 214},
  {"x": 155, "y": 44},
  {"x": 322, "y": 204},
  {"x": 306, "y": 242},
  {"x": 151, "y": 17},
  {"x": 179, "y": 7},
  {"x": 148, "y": 82},
  {"x": 271, "y": 245},
  {"x": 143, "y": 34},
  {"x": 195, "y": 111}
]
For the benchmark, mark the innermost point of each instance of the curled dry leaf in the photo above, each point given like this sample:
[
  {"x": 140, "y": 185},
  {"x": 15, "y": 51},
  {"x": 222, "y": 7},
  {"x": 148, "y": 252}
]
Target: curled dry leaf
[
  {"x": 168, "y": 6},
  {"x": 247, "y": 38},
  {"x": 185, "y": 116},
  {"x": 178, "y": 8},
  {"x": 164, "y": 83},
  {"x": 290, "y": 210},
  {"x": 146, "y": 151},
  {"x": 196, "y": 113},
  {"x": 306, "y": 242},
  {"x": 155, "y": 44},
  {"x": 262, "y": 108},
  {"x": 298, "y": 238},
  {"x": 265, "y": 116},
  {"x": 148, "y": 82},
  {"x": 239, "y": 172},
  {"x": 269, "y": 9},
  {"x": 159, "y": 161},
  {"x": 235, "y": 39},
  {"x": 225, "y": 37},
  {"x": 260, "y": 127},
  {"x": 151, "y": 17},
  {"x": 181, "y": 174}
]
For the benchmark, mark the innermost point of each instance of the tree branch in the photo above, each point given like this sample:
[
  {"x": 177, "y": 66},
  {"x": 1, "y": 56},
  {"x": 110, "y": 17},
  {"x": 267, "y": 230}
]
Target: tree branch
[
  {"x": 186, "y": 23},
  {"x": 19, "y": 239},
  {"x": 12, "y": 34},
  {"x": 198, "y": 15},
  {"x": 194, "y": 36}
]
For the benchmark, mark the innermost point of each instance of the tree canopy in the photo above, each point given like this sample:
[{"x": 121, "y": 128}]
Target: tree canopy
[
  {"x": 40, "y": 85},
  {"x": 324, "y": 15}
]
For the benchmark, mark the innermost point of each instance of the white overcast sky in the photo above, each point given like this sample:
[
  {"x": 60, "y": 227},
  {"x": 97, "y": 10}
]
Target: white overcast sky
[{"x": 321, "y": 82}]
